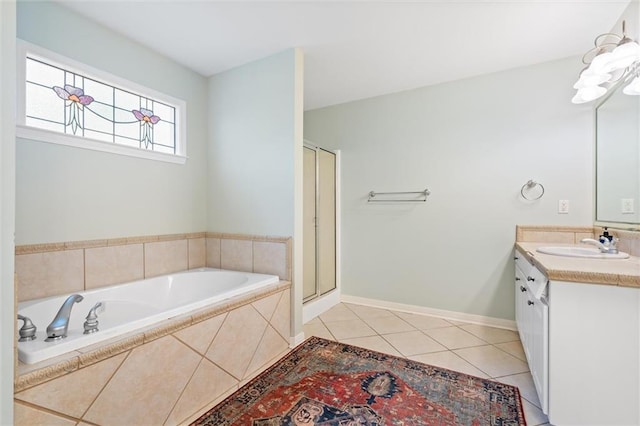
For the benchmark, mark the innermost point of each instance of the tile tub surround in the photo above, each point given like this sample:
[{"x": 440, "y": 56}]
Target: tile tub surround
[
  {"x": 164, "y": 375},
  {"x": 54, "y": 269}
]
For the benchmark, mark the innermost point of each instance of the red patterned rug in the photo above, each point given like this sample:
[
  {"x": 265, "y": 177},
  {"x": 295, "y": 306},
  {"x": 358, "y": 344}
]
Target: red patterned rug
[{"x": 322, "y": 382}]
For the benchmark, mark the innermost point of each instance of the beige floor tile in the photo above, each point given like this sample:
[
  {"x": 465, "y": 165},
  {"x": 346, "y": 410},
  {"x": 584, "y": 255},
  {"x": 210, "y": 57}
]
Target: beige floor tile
[
  {"x": 533, "y": 414},
  {"x": 454, "y": 337},
  {"x": 456, "y": 322},
  {"x": 313, "y": 321},
  {"x": 513, "y": 348},
  {"x": 367, "y": 312},
  {"x": 317, "y": 329},
  {"x": 374, "y": 343},
  {"x": 423, "y": 322},
  {"x": 450, "y": 361},
  {"x": 524, "y": 382},
  {"x": 338, "y": 313},
  {"x": 491, "y": 334},
  {"x": 386, "y": 325},
  {"x": 492, "y": 360},
  {"x": 413, "y": 343},
  {"x": 349, "y": 329}
]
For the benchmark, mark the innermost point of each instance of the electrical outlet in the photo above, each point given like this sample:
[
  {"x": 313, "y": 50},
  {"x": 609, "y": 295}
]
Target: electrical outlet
[
  {"x": 563, "y": 206},
  {"x": 627, "y": 206}
]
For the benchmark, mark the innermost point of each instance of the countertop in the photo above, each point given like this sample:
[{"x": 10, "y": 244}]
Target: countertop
[{"x": 620, "y": 272}]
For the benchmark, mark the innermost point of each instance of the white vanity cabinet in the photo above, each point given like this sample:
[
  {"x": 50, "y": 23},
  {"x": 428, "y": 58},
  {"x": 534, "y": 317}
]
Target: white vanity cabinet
[
  {"x": 582, "y": 342},
  {"x": 532, "y": 314}
]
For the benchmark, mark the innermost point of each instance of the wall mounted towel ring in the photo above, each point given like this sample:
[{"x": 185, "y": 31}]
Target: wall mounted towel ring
[{"x": 530, "y": 186}]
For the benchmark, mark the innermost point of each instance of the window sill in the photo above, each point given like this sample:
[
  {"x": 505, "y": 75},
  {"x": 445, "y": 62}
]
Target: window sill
[{"x": 47, "y": 136}]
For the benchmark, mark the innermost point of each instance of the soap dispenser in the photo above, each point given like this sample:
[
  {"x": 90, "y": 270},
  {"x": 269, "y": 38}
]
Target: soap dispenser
[{"x": 605, "y": 237}]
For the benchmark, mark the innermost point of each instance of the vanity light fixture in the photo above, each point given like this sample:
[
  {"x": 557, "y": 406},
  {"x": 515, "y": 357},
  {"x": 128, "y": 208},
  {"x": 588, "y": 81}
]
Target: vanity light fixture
[{"x": 615, "y": 57}]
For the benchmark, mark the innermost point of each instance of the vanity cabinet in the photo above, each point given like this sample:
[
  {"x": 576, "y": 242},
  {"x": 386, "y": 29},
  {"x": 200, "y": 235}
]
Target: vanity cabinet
[
  {"x": 582, "y": 342},
  {"x": 532, "y": 314}
]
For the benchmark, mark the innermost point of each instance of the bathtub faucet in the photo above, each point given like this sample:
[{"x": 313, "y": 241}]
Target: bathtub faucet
[{"x": 58, "y": 327}]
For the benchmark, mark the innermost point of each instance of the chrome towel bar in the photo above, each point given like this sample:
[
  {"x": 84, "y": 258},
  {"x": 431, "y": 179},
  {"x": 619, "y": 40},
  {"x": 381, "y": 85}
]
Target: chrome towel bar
[{"x": 398, "y": 197}]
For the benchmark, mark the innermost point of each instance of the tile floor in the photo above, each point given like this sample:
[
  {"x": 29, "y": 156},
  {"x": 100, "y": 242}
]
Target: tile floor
[{"x": 481, "y": 351}]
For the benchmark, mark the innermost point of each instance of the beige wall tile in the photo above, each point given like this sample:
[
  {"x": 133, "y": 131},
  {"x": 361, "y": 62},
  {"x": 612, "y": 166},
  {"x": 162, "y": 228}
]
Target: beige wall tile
[
  {"x": 49, "y": 274},
  {"x": 548, "y": 237},
  {"x": 70, "y": 394},
  {"x": 29, "y": 416},
  {"x": 197, "y": 253},
  {"x": 206, "y": 385},
  {"x": 213, "y": 252},
  {"x": 237, "y": 255},
  {"x": 164, "y": 257},
  {"x": 267, "y": 305},
  {"x": 113, "y": 265},
  {"x": 271, "y": 345},
  {"x": 281, "y": 319},
  {"x": 237, "y": 340},
  {"x": 199, "y": 336},
  {"x": 270, "y": 258},
  {"x": 146, "y": 386}
]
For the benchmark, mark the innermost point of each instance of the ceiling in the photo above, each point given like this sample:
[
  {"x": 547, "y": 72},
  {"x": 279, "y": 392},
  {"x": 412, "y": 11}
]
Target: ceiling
[{"x": 360, "y": 49}]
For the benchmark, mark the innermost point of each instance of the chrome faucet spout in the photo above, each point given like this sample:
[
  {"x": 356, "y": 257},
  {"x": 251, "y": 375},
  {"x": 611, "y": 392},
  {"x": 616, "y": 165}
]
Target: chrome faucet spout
[
  {"x": 58, "y": 327},
  {"x": 610, "y": 247}
]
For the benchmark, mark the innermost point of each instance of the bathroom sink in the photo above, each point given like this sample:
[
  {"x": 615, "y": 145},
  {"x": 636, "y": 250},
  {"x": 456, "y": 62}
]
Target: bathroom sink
[{"x": 580, "y": 251}]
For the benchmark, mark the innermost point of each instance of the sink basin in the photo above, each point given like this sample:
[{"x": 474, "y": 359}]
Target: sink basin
[{"x": 581, "y": 251}]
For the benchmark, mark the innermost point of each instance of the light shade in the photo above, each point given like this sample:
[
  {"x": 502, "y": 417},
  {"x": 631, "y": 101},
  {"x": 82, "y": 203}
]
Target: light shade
[
  {"x": 588, "y": 94},
  {"x": 622, "y": 56},
  {"x": 599, "y": 63},
  {"x": 632, "y": 88},
  {"x": 588, "y": 78}
]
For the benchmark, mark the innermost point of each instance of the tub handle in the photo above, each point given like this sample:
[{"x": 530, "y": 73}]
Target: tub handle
[
  {"x": 91, "y": 323},
  {"x": 27, "y": 331}
]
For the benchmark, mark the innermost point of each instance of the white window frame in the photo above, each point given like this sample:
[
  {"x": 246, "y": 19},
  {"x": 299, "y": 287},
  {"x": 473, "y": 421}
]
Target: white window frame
[{"x": 24, "y": 131}]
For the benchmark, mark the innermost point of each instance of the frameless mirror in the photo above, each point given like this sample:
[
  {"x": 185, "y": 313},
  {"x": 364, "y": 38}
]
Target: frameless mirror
[{"x": 618, "y": 160}]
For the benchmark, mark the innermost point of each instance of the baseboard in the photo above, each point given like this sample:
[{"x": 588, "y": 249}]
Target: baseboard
[
  {"x": 312, "y": 309},
  {"x": 441, "y": 313},
  {"x": 296, "y": 340}
]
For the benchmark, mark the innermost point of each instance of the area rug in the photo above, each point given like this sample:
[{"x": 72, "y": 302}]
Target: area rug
[{"x": 323, "y": 382}]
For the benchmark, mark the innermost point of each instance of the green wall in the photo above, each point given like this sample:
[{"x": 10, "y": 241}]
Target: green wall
[
  {"x": 251, "y": 156},
  {"x": 65, "y": 193},
  {"x": 473, "y": 143}
]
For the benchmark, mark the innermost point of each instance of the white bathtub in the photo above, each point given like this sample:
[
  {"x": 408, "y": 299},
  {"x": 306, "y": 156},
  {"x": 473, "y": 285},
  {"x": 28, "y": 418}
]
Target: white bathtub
[{"x": 131, "y": 306}]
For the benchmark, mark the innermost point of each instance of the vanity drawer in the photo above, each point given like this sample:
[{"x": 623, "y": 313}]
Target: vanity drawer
[
  {"x": 537, "y": 282},
  {"x": 522, "y": 263}
]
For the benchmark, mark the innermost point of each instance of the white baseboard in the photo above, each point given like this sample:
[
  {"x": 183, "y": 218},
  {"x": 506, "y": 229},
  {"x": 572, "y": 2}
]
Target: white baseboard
[
  {"x": 441, "y": 313},
  {"x": 312, "y": 309},
  {"x": 296, "y": 340}
]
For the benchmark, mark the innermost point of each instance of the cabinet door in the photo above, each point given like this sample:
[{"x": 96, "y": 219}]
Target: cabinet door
[
  {"x": 522, "y": 311},
  {"x": 539, "y": 364}
]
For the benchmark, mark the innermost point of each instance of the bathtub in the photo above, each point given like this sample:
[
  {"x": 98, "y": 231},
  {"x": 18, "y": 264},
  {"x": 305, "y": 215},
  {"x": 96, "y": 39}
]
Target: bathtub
[{"x": 132, "y": 306}]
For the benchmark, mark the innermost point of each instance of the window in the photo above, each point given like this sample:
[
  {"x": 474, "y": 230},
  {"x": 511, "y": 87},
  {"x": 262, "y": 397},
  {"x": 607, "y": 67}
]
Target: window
[{"x": 62, "y": 101}]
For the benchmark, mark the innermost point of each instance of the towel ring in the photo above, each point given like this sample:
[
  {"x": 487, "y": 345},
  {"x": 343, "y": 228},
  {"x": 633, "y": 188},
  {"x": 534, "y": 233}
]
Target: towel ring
[{"x": 530, "y": 185}]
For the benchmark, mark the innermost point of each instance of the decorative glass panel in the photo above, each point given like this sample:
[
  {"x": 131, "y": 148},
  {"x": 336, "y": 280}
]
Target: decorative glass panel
[{"x": 68, "y": 102}]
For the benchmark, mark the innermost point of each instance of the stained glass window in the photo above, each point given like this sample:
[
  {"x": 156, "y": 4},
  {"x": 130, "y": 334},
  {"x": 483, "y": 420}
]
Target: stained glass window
[{"x": 65, "y": 100}]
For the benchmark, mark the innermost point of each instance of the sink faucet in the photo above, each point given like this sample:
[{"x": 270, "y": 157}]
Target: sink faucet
[
  {"x": 606, "y": 247},
  {"x": 58, "y": 327}
]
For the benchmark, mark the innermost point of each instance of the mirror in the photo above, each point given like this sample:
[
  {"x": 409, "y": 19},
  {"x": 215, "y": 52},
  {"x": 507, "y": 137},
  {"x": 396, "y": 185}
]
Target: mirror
[{"x": 618, "y": 160}]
